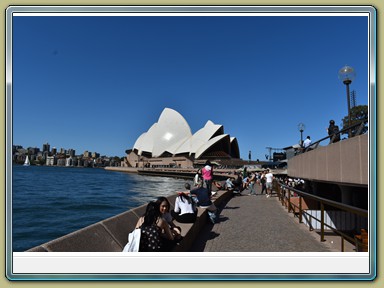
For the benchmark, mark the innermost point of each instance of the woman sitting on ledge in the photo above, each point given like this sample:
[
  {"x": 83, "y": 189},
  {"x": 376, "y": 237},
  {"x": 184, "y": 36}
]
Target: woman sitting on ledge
[
  {"x": 164, "y": 207},
  {"x": 154, "y": 230},
  {"x": 185, "y": 210}
]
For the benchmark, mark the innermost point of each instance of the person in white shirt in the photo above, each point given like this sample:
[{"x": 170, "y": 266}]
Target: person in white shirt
[
  {"x": 197, "y": 181},
  {"x": 185, "y": 210},
  {"x": 269, "y": 179},
  {"x": 307, "y": 142}
]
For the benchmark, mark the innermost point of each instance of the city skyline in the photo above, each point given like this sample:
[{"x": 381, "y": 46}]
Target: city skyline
[
  {"x": 61, "y": 148},
  {"x": 98, "y": 83}
]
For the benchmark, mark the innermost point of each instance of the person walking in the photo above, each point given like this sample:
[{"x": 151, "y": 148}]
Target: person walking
[
  {"x": 207, "y": 174},
  {"x": 269, "y": 179},
  {"x": 262, "y": 183},
  {"x": 197, "y": 181},
  {"x": 252, "y": 182}
]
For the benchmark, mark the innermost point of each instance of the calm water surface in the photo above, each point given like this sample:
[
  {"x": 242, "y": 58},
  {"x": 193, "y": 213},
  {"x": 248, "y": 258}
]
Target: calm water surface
[{"x": 49, "y": 202}]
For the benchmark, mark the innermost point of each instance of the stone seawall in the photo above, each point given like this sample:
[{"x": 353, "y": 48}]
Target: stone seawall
[
  {"x": 122, "y": 169},
  {"x": 111, "y": 235}
]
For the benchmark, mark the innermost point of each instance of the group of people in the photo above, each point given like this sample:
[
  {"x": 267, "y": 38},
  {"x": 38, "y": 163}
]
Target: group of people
[
  {"x": 333, "y": 133},
  {"x": 247, "y": 180},
  {"x": 158, "y": 230}
]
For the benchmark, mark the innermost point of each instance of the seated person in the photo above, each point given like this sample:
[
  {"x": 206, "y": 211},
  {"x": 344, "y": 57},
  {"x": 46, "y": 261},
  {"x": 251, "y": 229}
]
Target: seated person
[
  {"x": 164, "y": 207},
  {"x": 204, "y": 199},
  {"x": 245, "y": 183},
  {"x": 229, "y": 183},
  {"x": 238, "y": 183},
  {"x": 185, "y": 210},
  {"x": 154, "y": 230}
]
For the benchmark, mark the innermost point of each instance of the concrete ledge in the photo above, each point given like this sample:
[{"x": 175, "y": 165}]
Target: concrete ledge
[
  {"x": 111, "y": 235},
  {"x": 94, "y": 238},
  {"x": 193, "y": 230},
  {"x": 344, "y": 162},
  {"x": 119, "y": 225},
  {"x": 38, "y": 249}
]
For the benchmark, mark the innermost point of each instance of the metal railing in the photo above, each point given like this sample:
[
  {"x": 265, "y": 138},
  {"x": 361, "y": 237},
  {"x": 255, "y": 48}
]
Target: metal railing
[
  {"x": 358, "y": 128},
  {"x": 284, "y": 194}
]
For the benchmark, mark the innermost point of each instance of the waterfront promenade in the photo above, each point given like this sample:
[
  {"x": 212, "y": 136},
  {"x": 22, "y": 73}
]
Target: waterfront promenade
[{"x": 260, "y": 224}]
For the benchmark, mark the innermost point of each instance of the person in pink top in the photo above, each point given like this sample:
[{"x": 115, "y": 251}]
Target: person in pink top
[{"x": 207, "y": 174}]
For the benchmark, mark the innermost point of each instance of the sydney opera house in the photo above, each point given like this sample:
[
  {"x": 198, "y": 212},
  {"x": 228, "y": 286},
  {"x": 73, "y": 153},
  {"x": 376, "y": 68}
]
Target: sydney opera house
[{"x": 170, "y": 143}]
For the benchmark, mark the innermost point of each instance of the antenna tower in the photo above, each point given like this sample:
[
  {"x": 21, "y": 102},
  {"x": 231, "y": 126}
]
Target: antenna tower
[{"x": 353, "y": 98}]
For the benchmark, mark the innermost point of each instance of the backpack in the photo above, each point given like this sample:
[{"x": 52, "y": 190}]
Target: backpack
[{"x": 335, "y": 131}]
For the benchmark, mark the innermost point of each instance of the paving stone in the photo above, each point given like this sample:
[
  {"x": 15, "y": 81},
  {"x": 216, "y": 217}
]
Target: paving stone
[{"x": 258, "y": 224}]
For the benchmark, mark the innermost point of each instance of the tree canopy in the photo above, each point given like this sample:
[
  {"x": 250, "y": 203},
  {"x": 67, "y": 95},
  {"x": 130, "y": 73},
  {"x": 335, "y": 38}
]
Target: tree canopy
[{"x": 358, "y": 114}]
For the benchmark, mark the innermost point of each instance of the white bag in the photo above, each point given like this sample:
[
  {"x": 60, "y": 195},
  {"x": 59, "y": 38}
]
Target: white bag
[{"x": 133, "y": 241}]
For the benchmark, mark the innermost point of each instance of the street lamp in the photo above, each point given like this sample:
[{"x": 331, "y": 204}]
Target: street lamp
[
  {"x": 347, "y": 74},
  {"x": 301, "y": 128}
]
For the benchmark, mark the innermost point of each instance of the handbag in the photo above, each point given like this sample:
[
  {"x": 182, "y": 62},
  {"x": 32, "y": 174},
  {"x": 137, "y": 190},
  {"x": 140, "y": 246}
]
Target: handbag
[{"x": 133, "y": 241}]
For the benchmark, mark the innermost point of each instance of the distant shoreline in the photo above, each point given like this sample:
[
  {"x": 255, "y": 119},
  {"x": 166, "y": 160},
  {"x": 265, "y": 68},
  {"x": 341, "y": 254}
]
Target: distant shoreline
[{"x": 122, "y": 169}]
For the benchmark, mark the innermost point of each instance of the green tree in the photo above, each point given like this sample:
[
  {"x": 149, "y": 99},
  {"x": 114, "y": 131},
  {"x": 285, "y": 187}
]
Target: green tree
[
  {"x": 116, "y": 159},
  {"x": 358, "y": 114}
]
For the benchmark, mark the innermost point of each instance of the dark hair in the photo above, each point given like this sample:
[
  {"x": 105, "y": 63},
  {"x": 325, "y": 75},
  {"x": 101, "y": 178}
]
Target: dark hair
[
  {"x": 183, "y": 197},
  {"x": 208, "y": 163},
  {"x": 152, "y": 213},
  {"x": 331, "y": 122},
  {"x": 187, "y": 186},
  {"x": 161, "y": 200}
]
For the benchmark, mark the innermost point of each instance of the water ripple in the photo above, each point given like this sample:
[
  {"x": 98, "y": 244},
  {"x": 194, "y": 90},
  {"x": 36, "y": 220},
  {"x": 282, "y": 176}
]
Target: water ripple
[{"x": 49, "y": 202}]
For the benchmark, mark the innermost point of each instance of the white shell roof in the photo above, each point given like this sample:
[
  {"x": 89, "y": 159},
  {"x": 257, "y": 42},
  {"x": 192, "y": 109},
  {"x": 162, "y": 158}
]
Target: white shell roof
[
  {"x": 172, "y": 134},
  {"x": 171, "y": 128},
  {"x": 200, "y": 138},
  {"x": 210, "y": 143}
]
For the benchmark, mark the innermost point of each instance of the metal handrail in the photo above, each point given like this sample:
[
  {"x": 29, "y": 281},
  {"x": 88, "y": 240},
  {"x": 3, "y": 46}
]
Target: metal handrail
[
  {"x": 322, "y": 202},
  {"x": 360, "y": 124}
]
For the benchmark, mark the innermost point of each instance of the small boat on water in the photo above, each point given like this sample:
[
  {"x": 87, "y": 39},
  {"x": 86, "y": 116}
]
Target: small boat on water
[{"x": 27, "y": 163}]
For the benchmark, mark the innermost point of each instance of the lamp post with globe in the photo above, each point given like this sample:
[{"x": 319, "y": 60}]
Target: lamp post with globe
[{"x": 347, "y": 74}]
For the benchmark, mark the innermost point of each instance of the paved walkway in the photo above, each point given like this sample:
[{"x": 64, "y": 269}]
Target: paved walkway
[{"x": 260, "y": 224}]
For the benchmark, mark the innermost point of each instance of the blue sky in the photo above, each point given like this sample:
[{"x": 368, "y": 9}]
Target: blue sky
[{"x": 98, "y": 83}]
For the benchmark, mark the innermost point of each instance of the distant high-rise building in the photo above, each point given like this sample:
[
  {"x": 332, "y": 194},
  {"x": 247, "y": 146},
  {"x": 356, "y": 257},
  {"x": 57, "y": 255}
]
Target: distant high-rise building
[
  {"x": 16, "y": 147},
  {"x": 95, "y": 155},
  {"x": 46, "y": 147},
  {"x": 33, "y": 151},
  {"x": 45, "y": 155},
  {"x": 69, "y": 162},
  {"x": 87, "y": 154},
  {"x": 54, "y": 150},
  {"x": 51, "y": 160},
  {"x": 71, "y": 152}
]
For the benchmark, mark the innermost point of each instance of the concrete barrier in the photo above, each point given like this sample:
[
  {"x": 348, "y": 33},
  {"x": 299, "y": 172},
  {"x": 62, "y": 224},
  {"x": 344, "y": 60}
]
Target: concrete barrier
[{"x": 111, "y": 235}]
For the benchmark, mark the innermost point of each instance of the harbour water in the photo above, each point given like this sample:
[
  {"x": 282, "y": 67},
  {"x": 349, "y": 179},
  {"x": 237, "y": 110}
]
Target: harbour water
[{"x": 49, "y": 202}]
